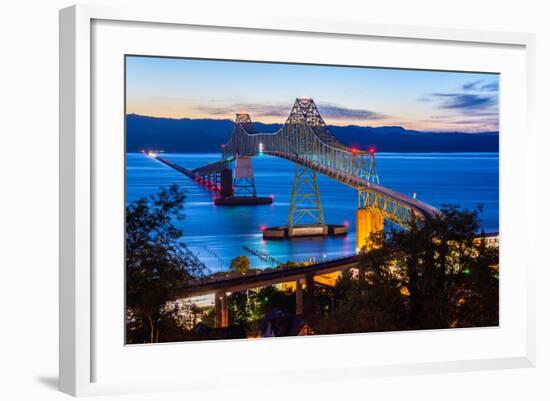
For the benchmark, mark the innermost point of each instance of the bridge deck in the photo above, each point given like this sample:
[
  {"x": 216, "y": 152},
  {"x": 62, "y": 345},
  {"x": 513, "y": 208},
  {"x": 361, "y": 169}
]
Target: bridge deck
[
  {"x": 175, "y": 166},
  {"x": 305, "y": 139},
  {"x": 423, "y": 208},
  {"x": 211, "y": 168},
  {"x": 263, "y": 279}
]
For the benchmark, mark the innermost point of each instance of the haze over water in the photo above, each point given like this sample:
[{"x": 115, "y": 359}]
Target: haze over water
[{"x": 216, "y": 234}]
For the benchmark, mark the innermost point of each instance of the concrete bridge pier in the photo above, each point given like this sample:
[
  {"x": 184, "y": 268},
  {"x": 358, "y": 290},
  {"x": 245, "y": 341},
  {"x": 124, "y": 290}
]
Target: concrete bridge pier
[
  {"x": 221, "y": 309},
  {"x": 369, "y": 220},
  {"x": 299, "y": 298},
  {"x": 226, "y": 183},
  {"x": 305, "y": 303},
  {"x": 237, "y": 187},
  {"x": 243, "y": 182},
  {"x": 310, "y": 306}
]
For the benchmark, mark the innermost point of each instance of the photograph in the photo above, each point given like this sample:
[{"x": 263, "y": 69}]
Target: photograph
[
  {"x": 303, "y": 200},
  {"x": 271, "y": 199}
]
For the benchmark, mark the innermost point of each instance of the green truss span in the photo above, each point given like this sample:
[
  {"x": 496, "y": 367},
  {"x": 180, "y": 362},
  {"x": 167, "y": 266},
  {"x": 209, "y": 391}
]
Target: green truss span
[{"x": 306, "y": 140}]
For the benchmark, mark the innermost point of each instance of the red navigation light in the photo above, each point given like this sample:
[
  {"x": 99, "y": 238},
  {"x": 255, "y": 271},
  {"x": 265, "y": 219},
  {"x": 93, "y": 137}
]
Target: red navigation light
[
  {"x": 371, "y": 149},
  {"x": 262, "y": 227},
  {"x": 354, "y": 150}
]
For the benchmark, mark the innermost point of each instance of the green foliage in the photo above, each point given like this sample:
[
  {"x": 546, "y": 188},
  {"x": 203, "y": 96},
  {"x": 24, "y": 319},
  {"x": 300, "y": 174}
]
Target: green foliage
[
  {"x": 250, "y": 308},
  {"x": 239, "y": 308},
  {"x": 156, "y": 263},
  {"x": 270, "y": 298},
  {"x": 372, "y": 304},
  {"x": 474, "y": 290},
  {"x": 240, "y": 264},
  {"x": 289, "y": 265}
]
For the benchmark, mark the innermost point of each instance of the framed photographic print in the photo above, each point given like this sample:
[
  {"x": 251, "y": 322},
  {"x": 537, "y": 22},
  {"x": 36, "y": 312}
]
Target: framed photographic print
[{"x": 262, "y": 191}]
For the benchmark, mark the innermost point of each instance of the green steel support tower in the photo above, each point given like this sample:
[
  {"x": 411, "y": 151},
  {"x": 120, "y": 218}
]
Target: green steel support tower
[{"x": 305, "y": 205}]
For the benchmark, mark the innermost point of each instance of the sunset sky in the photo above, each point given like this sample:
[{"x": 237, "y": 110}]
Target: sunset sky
[{"x": 421, "y": 100}]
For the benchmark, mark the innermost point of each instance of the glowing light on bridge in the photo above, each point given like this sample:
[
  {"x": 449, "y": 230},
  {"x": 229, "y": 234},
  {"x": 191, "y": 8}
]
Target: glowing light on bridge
[
  {"x": 152, "y": 154},
  {"x": 372, "y": 150},
  {"x": 354, "y": 150},
  {"x": 261, "y": 148}
]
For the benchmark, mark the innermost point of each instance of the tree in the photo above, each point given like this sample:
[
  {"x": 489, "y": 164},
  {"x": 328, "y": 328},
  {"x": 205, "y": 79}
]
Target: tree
[
  {"x": 437, "y": 274},
  {"x": 239, "y": 308},
  {"x": 371, "y": 302},
  {"x": 156, "y": 262},
  {"x": 409, "y": 246},
  {"x": 240, "y": 264},
  {"x": 475, "y": 297},
  {"x": 436, "y": 258}
]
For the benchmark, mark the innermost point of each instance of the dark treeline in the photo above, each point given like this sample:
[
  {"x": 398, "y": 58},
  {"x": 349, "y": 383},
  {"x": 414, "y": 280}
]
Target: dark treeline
[{"x": 440, "y": 274}]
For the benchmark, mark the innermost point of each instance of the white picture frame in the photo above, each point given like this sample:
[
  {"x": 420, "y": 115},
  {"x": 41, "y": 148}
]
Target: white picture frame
[{"x": 79, "y": 344}]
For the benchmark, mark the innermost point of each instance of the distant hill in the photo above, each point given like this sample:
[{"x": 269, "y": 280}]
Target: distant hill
[{"x": 206, "y": 135}]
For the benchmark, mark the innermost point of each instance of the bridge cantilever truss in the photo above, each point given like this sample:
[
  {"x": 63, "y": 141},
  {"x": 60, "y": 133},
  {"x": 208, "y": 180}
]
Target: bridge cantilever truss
[{"x": 306, "y": 140}]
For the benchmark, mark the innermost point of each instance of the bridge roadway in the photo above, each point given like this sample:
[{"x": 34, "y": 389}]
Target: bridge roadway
[
  {"x": 300, "y": 275},
  {"x": 175, "y": 166},
  {"x": 265, "y": 278},
  {"x": 214, "y": 182},
  {"x": 421, "y": 208}
]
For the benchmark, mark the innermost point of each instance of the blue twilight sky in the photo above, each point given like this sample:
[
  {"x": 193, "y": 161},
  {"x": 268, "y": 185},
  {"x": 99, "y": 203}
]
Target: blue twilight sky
[{"x": 422, "y": 100}]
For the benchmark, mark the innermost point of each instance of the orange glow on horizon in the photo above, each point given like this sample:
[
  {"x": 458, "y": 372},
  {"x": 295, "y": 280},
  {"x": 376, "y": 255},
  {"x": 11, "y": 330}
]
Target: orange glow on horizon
[{"x": 411, "y": 122}]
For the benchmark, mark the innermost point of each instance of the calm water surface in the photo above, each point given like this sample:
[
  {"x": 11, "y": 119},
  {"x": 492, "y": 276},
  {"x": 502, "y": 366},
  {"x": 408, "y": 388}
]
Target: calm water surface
[{"x": 216, "y": 234}]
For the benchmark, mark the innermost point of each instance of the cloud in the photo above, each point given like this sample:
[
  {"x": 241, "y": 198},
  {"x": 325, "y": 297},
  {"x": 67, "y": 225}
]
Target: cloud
[
  {"x": 425, "y": 99},
  {"x": 252, "y": 109},
  {"x": 474, "y": 108},
  {"x": 487, "y": 122},
  {"x": 471, "y": 85},
  {"x": 462, "y": 123},
  {"x": 331, "y": 111},
  {"x": 481, "y": 86},
  {"x": 277, "y": 110},
  {"x": 465, "y": 102},
  {"x": 327, "y": 110},
  {"x": 491, "y": 87}
]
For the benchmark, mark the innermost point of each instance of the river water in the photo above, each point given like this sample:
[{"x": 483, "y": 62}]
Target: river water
[{"x": 216, "y": 234}]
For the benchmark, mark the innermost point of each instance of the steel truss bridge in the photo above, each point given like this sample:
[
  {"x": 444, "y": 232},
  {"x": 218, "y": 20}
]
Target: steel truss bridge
[{"x": 306, "y": 140}]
